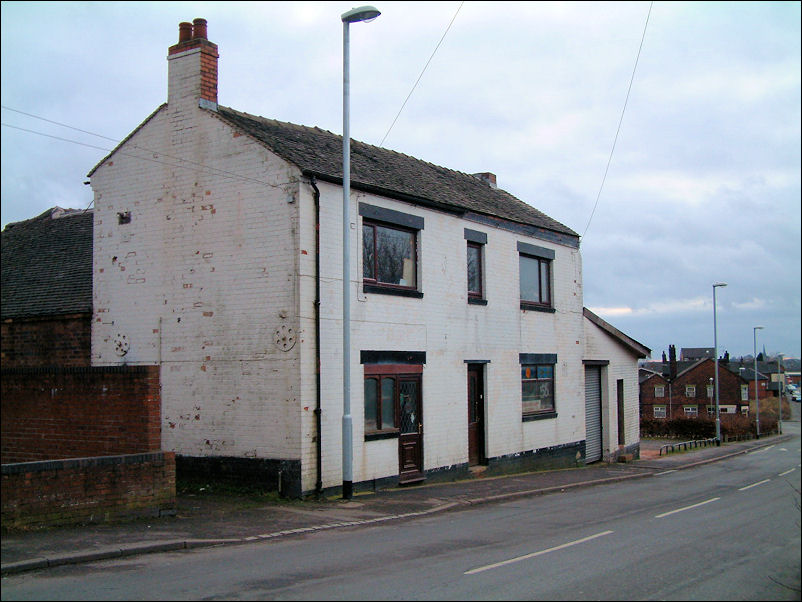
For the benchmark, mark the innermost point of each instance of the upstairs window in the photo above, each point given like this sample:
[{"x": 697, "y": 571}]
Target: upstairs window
[
  {"x": 475, "y": 270},
  {"x": 390, "y": 251},
  {"x": 535, "y": 264},
  {"x": 389, "y": 255},
  {"x": 660, "y": 391},
  {"x": 690, "y": 390},
  {"x": 475, "y": 264}
]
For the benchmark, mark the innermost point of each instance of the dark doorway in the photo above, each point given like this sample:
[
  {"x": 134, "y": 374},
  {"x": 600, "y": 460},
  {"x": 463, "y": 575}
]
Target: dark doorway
[{"x": 476, "y": 413}]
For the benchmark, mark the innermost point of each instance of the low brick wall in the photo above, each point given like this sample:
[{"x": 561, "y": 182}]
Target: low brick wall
[
  {"x": 87, "y": 490},
  {"x": 79, "y": 412}
]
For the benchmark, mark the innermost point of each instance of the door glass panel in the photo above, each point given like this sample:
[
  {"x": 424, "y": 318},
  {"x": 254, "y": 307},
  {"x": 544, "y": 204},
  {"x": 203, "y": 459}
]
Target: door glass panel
[
  {"x": 388, "y": 403},
  {"x": 408, "y": 398},
  {"x": 471, "y": 398},
  {"x": 370, "y": 403}
]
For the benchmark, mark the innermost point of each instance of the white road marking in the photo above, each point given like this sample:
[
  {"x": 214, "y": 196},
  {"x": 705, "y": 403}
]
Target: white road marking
[
  {"x": 782, "y": 474},
  {"x": 532, "y": 555},
  {"x": 754, "y": 484},
  {"x": 687, "y": 507},
  {"x": 657, "y": 474}
]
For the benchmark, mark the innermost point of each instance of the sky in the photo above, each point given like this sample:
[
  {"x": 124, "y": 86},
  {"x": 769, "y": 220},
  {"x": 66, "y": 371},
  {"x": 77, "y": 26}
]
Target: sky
[{"x": 674, "y": 153}]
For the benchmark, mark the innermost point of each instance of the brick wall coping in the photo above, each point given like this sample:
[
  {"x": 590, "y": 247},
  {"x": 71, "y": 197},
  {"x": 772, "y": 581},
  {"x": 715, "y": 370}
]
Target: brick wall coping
[
  {"x": 78, "y": 369},
  {"x": 45, "y": 465}
]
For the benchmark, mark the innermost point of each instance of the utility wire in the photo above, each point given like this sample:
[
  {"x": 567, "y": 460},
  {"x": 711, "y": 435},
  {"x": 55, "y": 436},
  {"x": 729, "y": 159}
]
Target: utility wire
[
  {"x": 210, "y": 170},
  {"x": 615, "y": 140},
  {"x": 415, "y": 85}
]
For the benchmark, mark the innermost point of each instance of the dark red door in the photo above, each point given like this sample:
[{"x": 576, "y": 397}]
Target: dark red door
[
  {"x": 476, "y": 412},
  {"x": 410, "y": 438}
]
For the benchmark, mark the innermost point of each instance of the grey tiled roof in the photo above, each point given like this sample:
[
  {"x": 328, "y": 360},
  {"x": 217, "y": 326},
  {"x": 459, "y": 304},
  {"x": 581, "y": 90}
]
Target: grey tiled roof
[
  {"x": 374, "y": 169},
  {"x": 47, "y": 264}
]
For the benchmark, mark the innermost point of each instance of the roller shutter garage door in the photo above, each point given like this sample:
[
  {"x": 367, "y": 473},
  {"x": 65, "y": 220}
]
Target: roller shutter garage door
[{"x": 593, "y": 425}]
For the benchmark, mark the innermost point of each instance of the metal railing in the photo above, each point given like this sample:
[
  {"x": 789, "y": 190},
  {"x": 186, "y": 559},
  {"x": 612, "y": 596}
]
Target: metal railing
[{"x": 685, "y": 445}]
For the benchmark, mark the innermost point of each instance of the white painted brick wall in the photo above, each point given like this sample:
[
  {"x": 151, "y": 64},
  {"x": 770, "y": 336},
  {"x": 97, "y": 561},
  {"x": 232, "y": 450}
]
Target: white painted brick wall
[
  {"x": 202, "y": 278},
  {"x": 450, "y": 331},
  {"x": 623, "y": 365}
]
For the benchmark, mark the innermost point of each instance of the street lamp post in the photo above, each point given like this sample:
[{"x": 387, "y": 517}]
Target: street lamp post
[
  {"x": 757, "y": 395},
  {"x": 715, "y": 356},
  {"x": 780, "y": 387},
  {"x": 355, "y": 15}
]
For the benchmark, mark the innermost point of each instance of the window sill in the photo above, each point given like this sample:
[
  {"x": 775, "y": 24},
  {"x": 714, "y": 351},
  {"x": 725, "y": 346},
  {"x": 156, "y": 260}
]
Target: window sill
[
  {"x": 377, "y": 435},
  {"x": 526, "y": 306},
  {"x": 541, "y": 416},
  {"x": 385, "y": 290},
  {"x": 476, "y": 301}
]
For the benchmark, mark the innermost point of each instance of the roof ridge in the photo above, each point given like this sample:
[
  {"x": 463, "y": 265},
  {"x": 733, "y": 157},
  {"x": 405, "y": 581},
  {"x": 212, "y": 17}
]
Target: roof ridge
[{"x": 391, "y": 172}]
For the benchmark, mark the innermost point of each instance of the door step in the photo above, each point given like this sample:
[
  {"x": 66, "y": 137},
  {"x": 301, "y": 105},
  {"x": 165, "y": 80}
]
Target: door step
[{"x": 477, "y": 471}]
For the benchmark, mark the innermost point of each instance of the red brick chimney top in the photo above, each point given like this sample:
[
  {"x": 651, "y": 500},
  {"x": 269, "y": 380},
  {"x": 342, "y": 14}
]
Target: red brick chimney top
[{"x": 192, "y": 35}]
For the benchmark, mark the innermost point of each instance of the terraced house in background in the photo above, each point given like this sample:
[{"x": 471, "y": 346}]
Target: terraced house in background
[{"x": 218, "y": 256}]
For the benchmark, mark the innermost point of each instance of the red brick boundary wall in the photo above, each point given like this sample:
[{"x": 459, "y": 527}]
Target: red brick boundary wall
[
  {"x": 88, "y": 490},
  {"x": 79, "y": 412},
  {"x": 50, "y": 341}
]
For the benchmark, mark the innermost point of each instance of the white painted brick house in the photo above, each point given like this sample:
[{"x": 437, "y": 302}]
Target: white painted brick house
[{"x": 218, "y": 256}]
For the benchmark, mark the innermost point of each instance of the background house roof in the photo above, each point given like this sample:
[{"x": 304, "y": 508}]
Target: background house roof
[
  {"x": 374, "y": 169},
  {"x": 695, "y": 353},
  {"x": 47, "y": 264}
]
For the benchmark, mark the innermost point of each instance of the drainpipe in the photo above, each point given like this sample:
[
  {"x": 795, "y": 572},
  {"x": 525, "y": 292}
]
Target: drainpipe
[{"x": 318, "y": 427}]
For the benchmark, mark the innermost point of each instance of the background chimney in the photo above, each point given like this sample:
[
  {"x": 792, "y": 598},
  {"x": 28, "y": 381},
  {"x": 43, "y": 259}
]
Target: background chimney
[{"x": 193, "y": 74}]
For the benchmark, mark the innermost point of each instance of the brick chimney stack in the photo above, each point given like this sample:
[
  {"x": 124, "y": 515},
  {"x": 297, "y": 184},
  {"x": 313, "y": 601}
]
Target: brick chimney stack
[
  {"x": 193, "y": 66},
  {"x": 487, "y": 177}
]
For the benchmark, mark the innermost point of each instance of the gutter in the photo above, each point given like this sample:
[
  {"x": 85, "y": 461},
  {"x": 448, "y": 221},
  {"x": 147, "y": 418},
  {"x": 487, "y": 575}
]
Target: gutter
[{"x": 318, "y": 426}]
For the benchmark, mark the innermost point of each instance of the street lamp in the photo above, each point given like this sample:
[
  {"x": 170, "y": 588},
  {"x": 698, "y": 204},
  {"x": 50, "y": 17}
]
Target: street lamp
[
  {"x": 355, "y": 15},
  {"x": 715, "y": 356},
  {"x": 757, "y": 396},
  {"x": 780, "y": 387}
]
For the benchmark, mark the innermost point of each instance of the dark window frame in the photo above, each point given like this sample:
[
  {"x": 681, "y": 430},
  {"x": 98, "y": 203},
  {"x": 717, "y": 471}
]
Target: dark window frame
[
  {"x": 539, "y": 360},
  {"x": 544, "y": 301},
  {"x": 480, "y": 269},
  {"x": 544, "y": 258},
  {"x": 371, "y": 284},
  {"x": 399, "y": 373}
]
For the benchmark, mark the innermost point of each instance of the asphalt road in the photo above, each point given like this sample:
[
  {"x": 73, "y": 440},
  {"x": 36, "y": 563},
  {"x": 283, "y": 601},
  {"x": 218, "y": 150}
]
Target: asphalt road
[{"x": 729, "y": 530}]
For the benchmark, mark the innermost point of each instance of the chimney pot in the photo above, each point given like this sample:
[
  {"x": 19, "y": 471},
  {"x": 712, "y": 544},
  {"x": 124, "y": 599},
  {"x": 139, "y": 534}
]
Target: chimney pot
[
  {"x": 184, "y": 32},
  {"x": 199, "y": 29}
]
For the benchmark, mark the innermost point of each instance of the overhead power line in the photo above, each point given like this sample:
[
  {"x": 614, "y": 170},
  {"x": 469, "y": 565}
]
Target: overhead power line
[
  {"x": 183, "y": 163},
  {"x": 415, "y": 85},
  {"x": 621, "y": 119}
]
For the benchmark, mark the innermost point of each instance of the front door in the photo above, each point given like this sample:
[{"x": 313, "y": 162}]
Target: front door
[
  {"x": 476, "y": 412},
  {"x": 410, "y": 438}
]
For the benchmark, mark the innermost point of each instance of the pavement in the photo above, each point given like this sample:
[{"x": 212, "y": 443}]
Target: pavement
[{"x": 213, "y": 519}]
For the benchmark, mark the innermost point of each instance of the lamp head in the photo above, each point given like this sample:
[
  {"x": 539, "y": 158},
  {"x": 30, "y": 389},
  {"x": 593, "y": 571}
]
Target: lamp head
[
  {"x": 362, "y": 13},
  {"x": 719, "y": 284},
  {"x": 758, "y": 328}
]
